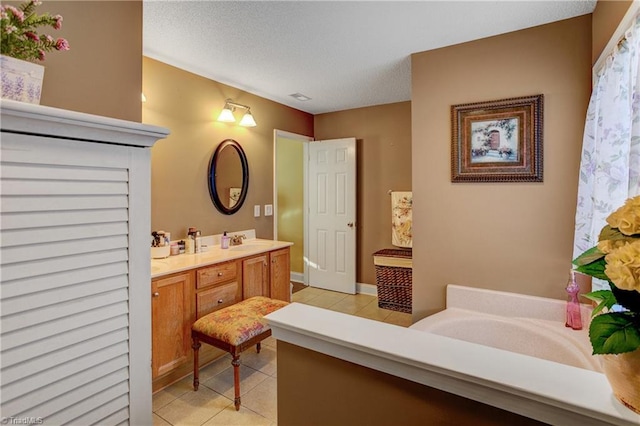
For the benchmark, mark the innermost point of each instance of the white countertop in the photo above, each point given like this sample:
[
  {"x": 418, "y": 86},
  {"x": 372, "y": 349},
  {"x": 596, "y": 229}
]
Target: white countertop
[
  {"x": 185, "y": 262},
  {"x": 544, "y": 390}
]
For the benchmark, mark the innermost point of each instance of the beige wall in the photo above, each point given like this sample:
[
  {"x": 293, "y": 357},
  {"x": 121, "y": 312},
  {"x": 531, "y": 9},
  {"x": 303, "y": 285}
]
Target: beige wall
[
  {"x": 102, "y": 73},
  {"x": 606, "y": 17},
  {"x": 188, "y": 105},
  {"x": 290, "y": 172},
  {"x": 383, "y": 143},
  {"x": 514, "y": 237},
  {"x": 337, "y": 393}
]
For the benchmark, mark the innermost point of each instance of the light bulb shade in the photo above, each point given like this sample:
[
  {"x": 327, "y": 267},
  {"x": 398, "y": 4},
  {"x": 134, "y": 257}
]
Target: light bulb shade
[
  {"x": 247, "y": 120},
  {"x": 226, "y": 115}
]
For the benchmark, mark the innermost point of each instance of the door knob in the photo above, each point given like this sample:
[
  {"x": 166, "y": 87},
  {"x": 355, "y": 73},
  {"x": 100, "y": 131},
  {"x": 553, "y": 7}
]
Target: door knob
[
  {"x": 350, "y": 224},
  {"x": 219, "y": 274},
  {"x": 220, "y": 301},
  {"x": 156, "y": 294}
]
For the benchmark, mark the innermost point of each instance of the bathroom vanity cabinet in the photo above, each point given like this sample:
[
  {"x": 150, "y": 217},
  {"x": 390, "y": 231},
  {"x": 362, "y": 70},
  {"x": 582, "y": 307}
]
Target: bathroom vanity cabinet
[
  {"x": 280, "y": 274},
  {"x": 256, "y": 275},
  {"x": 217, "y": 287},
  {"x": 172, "y": 313},
  {"x": 202, "y": 284},
  {"x": 267, "y": 275}
]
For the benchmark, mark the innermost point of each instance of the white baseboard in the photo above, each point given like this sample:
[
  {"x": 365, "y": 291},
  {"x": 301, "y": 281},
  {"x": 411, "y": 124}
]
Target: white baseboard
[
  {"x": 297, "y": 277},
  {"x": 362, "y": 288}
]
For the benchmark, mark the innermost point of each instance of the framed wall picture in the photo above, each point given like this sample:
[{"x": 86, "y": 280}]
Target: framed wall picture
[
  {"x": 497, "y": 141},
  {"x": 234, "y": 196}
]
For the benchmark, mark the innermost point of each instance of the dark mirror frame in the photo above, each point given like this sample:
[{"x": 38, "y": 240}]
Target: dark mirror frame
[{"x": 213, "y": 190}]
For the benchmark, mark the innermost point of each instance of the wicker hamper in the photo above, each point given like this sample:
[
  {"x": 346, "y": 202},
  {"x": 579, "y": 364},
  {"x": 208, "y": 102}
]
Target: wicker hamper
[{"x": 393, "y": 278}]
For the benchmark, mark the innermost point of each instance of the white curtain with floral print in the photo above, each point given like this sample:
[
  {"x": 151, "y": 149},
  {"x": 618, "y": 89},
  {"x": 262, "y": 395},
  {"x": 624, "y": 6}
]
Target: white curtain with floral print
[{"x": 610, "y": 163}]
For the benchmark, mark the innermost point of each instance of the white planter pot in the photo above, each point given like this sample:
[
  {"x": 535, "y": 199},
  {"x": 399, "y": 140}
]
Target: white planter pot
[{"x": 21, "y": 80}]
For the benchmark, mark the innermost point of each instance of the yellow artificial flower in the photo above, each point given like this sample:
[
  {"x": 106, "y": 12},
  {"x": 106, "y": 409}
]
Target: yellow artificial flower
[
  {"x": 607, "y": 246},
  {"x": 627, "y": 218},
  {"x": 623, "y": 266}
]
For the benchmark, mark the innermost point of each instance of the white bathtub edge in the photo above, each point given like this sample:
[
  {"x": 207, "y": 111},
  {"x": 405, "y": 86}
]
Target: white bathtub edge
[
  {"x": 510, "y": 304},
  {"x": 570, "y": 396}
]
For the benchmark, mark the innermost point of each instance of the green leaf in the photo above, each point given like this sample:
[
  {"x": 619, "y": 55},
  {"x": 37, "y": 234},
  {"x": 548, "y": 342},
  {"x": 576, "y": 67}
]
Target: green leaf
[
  {"x": 594, "y": 269},
  {"x": 604, "y": 298},
  {"x": 614, "y": 333},
  {"x": 588, "y": 256},
  {"x": 609, "y": 233}
]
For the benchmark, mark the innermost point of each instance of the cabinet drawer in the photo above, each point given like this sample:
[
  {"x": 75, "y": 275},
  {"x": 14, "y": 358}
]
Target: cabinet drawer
[
  {"x": 216, "y": 298},
  {"x": 216, "y": 274}
]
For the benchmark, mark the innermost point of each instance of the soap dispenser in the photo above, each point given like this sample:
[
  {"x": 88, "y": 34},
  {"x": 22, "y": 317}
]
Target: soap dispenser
[
  {"x": 574, "y": 320},
  {"x": 224, "y": 241}
]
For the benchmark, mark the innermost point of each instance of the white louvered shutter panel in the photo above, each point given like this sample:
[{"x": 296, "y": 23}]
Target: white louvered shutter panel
[{"x": 66, "y": 291}]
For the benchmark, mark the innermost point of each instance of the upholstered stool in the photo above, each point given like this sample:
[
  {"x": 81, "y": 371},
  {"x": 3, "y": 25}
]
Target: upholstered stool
[{"x": 234, "y": 329}]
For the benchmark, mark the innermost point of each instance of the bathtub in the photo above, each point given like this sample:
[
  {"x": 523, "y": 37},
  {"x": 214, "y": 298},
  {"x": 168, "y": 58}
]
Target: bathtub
[
  {"x": 542, "y": 375},
  {"x": 527, "y": 325}
]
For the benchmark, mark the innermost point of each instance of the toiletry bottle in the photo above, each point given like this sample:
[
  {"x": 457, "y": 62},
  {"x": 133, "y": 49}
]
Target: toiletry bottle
[
  {"x": 161, "y": 239},
  {"x": 189, "y": 244},
  {"x": 224, "y": 241},
  {"x": 197, "y": 237},
  {"x": 574, "y": 320},
  {"x": 190, "y": 241}
]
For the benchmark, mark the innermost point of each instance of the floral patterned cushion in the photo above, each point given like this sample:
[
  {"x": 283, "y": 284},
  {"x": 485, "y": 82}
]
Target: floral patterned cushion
[{"x": 240, "y": 322}]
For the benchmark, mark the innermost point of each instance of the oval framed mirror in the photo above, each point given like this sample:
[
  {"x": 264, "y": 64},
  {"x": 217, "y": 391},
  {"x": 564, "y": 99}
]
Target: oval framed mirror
[{"x": 228, "y": 177}]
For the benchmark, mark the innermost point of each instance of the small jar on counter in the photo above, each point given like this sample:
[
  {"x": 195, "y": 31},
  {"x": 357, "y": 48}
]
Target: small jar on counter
[{"x": 175, "y": 249}]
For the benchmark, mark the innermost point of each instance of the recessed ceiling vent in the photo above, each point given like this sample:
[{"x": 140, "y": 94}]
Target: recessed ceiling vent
[{"x": 300, "y": 97}]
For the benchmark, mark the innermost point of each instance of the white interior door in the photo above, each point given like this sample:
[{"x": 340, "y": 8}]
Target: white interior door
[{"x": 332, "y": 215}]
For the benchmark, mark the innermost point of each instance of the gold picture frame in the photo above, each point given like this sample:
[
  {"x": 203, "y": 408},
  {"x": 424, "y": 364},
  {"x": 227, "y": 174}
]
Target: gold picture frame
[{"x": 498, "y": 141}]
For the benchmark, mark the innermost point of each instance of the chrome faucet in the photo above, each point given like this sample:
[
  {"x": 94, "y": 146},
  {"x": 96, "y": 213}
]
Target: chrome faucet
[{"x": 236, "y": 240}]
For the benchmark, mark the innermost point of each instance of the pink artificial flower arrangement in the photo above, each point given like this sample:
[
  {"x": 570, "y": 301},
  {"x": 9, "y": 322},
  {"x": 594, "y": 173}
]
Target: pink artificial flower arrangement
[{"x": 19, "y": 37}]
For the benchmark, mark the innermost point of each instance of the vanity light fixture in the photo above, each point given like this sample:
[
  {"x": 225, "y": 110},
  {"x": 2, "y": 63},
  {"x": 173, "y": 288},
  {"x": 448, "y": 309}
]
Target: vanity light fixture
[
  {"x": 247, "y": 120},
  {"x": 226, "y": 115}
]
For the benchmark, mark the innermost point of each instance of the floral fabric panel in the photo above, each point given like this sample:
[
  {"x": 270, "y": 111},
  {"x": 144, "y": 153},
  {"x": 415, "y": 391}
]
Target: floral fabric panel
[
  {"x": 401, "y": 218},
  {"x": 610, "y": 161},
  {"x": 240, "y": 322}
]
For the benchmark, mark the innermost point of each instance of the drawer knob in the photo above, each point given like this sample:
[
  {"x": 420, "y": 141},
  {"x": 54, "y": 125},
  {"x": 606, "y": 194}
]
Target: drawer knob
[
  {"x": 156, "y": 294},
  {"x": 220, "y": 301},
  {"x": 219, "y": 274}
]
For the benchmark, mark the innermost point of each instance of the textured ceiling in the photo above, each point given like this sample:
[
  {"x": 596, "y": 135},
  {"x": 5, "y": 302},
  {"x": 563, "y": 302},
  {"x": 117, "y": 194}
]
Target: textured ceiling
[{"x": 342, "y": 55}]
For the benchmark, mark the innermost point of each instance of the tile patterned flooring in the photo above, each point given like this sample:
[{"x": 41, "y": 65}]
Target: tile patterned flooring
[{"x": 212, "y": 405}]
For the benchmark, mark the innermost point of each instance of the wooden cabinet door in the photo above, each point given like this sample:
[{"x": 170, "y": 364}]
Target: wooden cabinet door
[
  {"x": 280, "y": 274},
  {"x": 255, "y": 276},
  {"x": 172, "y": 316}
]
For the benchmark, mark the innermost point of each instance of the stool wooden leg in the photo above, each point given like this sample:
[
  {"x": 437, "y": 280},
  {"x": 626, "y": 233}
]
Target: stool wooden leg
[
  {"x": 258, "y": 346},
  {"x": 196, "y": 369},
  {"x": 236, "y": 380}
]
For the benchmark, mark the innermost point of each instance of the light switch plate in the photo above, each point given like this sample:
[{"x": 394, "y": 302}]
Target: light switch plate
[
  {"x": 268, "y": 210},
  {"x": 256, "y": 211}
]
